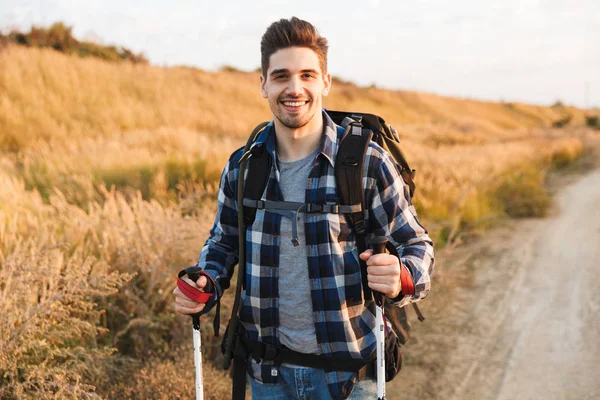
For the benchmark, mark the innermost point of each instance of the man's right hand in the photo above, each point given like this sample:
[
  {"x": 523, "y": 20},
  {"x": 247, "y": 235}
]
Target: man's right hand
[{"x": 184, "y": 304}]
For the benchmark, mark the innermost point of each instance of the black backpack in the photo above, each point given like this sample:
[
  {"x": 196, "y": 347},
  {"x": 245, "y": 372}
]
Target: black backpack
[
  {"x": 352, "y": 148},
  {"x": 360, "y": 128}
]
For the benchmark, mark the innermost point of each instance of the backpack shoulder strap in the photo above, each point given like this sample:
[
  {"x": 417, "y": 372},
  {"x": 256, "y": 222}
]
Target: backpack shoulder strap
[
  {"x": 254, "y": 175},
  {"x": 234, "y": 322},
  {"x": 259, "y": 169},
  {"x": 349, "y": 176}
]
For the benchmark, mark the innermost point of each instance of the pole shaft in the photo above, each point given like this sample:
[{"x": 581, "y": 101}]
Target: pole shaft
[
  {"x": 378, "y": 245},
  {"x": 198, "y": 365},
  {"x": 380, "y": 335}
]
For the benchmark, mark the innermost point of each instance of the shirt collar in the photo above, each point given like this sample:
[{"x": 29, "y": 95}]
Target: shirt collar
[{"x": 331, "y": 135}]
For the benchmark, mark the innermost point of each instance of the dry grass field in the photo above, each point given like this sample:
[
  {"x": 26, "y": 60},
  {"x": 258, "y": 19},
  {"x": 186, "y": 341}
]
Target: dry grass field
[{"x": 107, "y": 180}]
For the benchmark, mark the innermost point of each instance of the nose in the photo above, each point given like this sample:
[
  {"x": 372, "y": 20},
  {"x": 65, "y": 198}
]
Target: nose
[{"x": 295, "y": 87}]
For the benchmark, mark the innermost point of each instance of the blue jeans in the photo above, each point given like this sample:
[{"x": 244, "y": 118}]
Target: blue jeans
[{"x": 306, "y": 383}]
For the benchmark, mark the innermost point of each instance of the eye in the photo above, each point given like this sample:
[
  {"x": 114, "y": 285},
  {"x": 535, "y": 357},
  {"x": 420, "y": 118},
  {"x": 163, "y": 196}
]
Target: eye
[{"x": 308, "y": 76}]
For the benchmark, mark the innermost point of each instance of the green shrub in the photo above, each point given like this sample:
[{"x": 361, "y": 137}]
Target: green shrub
[
  {"x": 179, "y": 177},
  {"x": 522, "y": 194},
  {"x": 229, "y": 68},
  {"x": 60, "y": 37},
  {"x": 94, "y": 50},
  {"x": 138, "y": 177},
  {"x": 562, "y": 121},
  {"x": 593, "y": 121},
  {"x": 566, "y": 153}
]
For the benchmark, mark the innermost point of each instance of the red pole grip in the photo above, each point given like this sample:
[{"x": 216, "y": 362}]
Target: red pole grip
[{"x": 192, "y": 292}]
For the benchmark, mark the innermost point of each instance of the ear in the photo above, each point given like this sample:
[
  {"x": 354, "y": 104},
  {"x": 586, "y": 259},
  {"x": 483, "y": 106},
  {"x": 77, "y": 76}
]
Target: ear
[
  {"x": 263, "y": 90},
  {"x": 327, "y": 82}
]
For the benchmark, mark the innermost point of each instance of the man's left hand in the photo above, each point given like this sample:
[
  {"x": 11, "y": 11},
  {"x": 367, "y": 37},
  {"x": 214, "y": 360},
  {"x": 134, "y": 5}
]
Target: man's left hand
[{"x": 383, "y": 272}]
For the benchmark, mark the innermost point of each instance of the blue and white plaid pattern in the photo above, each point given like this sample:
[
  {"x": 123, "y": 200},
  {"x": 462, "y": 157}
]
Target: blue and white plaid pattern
[{"x": 344, "y": 321}]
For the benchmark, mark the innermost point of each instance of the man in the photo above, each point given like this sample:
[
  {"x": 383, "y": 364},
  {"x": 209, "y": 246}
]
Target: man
[{"x": 303, "y": 285}]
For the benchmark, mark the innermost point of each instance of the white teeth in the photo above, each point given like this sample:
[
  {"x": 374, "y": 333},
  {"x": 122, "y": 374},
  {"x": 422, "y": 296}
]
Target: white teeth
[{"x": 293, "y": 104}]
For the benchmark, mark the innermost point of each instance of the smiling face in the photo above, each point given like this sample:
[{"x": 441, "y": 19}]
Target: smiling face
[{"x": 294, "y": 86}]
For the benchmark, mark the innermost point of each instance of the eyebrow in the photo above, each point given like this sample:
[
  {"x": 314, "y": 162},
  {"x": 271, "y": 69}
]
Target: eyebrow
[{"x": 284, "y": 70}]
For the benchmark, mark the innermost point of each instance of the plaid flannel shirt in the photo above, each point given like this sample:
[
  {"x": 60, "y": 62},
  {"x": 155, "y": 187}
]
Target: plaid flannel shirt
[{"x": 344, "y": 321}]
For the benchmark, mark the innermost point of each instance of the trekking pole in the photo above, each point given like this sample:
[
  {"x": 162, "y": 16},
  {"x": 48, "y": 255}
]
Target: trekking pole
[
  {"x": 194, "y": 273},
  {"x": 378, "y": 245}
]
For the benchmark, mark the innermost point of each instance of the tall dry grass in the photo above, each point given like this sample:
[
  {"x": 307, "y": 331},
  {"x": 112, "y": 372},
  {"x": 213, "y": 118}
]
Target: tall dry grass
[
  {"x": 50, "y": 338},
  {"x": 60, "y": 269},
  {"x": 159, "y": 164},
  {"x": 48, "y": 95},
  {"x": 107, "y": 182}
]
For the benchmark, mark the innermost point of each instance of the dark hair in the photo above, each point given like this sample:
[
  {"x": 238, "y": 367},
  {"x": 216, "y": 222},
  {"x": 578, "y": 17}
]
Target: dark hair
[{"x": 292, "y": 32}]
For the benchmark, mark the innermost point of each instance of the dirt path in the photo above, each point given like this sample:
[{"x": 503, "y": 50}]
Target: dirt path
[{"x": 531, "y": 329}]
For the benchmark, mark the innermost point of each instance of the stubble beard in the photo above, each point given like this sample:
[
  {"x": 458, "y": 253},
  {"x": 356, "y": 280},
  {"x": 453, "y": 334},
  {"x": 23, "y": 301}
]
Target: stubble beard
[{"x": 289, "y": 121}]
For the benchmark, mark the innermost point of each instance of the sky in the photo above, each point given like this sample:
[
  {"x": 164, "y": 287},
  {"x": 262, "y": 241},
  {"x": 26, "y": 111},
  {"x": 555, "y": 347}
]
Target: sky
[{"x": 533, "y": 51}]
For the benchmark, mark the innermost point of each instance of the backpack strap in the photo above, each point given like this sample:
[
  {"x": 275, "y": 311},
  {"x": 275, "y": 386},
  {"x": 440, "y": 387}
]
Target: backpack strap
[
  {"x": 349, "y": 176},
  {"x": 259, "y": 170},
  {"x": 234, "y": 322}
]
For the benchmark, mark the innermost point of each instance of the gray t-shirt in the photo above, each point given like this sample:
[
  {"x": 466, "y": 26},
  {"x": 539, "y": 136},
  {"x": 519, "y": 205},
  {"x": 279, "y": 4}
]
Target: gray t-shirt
[{"x": 296, "y": 319}]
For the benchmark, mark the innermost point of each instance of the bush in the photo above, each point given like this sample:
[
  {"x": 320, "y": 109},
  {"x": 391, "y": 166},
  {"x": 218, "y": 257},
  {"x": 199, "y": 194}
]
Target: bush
[
  {"x": 178, "y": 172},
  {"x": 94, "y": 50},
  {"x": 566, "y": 152},
  {"x": 60, "y": 37},
  {"x": 229, "y": 68},
  {"x": 136, "y": 178},
  {"x": 593, "y": 121},
  {"x": 562, "y": 121},
  {"x": 173, "y": 178},
  {"x": 522, "y": 194}
]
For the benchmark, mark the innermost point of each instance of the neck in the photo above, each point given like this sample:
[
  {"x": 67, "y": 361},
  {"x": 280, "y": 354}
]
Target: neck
[{"x": 295, "y": 144}]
